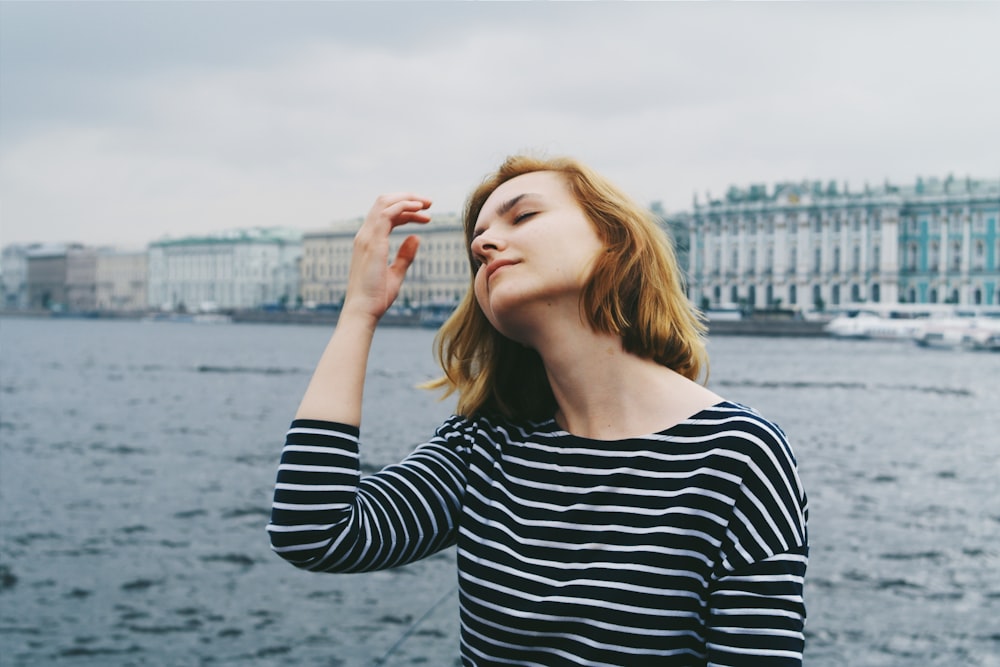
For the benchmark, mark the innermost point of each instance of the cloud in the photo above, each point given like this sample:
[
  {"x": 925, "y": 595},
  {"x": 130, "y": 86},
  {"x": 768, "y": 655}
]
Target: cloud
[{"x": 123, "y": 122}]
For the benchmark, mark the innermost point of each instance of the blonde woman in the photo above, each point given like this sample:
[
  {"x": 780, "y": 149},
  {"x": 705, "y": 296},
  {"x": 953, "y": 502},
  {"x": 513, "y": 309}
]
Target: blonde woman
[{"x": 607, "y": 508}]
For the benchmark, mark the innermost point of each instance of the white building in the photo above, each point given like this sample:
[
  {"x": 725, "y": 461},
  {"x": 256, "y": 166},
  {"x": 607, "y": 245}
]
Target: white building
[
  {"x": 122, "y": 280},
  {"x": 439, "y": 274},
  {"x": 14, "y": 276},
  {"x": 245, "y": 268},
  {"x": 81, "y": 279},
  {"x": 809, "y": 246}
]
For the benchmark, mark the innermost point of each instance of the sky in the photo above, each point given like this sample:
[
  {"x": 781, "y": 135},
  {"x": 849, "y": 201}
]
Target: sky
[{"x": 128, "y": 122}]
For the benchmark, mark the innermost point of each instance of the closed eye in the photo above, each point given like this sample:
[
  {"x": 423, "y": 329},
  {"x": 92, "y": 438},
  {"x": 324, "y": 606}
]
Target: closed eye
[{"x": 524, "y": 216}]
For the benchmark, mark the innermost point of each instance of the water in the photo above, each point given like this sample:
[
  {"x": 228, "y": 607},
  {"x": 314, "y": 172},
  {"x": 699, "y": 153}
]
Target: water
[{"x": 136, "y": 463}]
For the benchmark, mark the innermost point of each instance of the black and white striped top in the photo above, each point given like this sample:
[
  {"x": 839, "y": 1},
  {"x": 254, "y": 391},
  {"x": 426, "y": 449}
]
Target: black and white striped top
[{"x": 685, "y": 547}]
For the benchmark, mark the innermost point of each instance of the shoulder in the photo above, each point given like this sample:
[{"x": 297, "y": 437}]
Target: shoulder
[
  {"x": 743, "y": 431},
  {"x": 490, "y": 431}
]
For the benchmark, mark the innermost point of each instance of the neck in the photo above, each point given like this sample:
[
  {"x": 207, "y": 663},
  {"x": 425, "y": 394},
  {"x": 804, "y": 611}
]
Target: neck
[{"x": 606, "y": 393}]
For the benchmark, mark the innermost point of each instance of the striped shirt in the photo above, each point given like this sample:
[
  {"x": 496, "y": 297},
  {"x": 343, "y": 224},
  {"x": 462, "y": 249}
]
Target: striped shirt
[{"x": 684, "y": 547}]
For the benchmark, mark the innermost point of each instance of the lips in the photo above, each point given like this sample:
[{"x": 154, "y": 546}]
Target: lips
[{"x": 496, "y": 265}]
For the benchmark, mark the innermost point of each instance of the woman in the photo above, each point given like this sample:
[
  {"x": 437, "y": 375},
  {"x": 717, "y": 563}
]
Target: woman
[{"x": 607, "y": 508}]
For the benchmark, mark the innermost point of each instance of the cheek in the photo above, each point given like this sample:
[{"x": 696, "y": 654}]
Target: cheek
[{"x": 482, "y": 296}]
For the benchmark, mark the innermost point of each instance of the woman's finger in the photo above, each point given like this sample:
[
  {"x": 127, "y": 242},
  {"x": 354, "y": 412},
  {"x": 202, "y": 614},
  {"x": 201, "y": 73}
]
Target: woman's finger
[
  {"x": 404, "y": 258},
  {"x": 399, "y": 207}
]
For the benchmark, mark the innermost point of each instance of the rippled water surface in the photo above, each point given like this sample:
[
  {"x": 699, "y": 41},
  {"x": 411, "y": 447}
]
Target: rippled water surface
[{"x": 136, "y": 463}]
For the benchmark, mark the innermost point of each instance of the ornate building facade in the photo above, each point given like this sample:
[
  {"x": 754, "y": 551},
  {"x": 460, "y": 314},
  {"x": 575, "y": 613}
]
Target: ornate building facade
[
  {"x": 246, "y": 268},
  {"x": 809, "y": 246},
  {"x": 122, "y": 280}
]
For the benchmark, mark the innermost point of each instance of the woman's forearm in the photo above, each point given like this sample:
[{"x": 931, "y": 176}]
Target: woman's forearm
[{"x": 337, "y": 385}]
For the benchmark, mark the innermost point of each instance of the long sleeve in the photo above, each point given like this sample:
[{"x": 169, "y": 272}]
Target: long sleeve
[
  {"x": 756, "y": 609},
  {"x": 757, "y": 615},
  {"x": 326, "y": 517}
]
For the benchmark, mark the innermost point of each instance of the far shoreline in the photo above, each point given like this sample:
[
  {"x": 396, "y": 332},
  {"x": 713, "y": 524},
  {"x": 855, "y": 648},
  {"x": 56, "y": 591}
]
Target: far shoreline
[{"x": 752, "y": 326}]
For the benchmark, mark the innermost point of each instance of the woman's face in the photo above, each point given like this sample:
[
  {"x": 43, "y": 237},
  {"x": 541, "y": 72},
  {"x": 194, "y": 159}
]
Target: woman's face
[{"x": 535, "y": 248}]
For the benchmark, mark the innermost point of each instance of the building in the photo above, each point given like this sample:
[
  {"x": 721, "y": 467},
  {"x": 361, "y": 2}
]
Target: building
[
  {"x": 438, "y": 275},
  {"x": 81, "y": 279},
  {"x": 122, "y": 280},
  {"x": 247, "y": 268},
  {"x": 810, "y": 246},
  {"x": 14, "y": 276},
  {"x": 47, "y": 275}
]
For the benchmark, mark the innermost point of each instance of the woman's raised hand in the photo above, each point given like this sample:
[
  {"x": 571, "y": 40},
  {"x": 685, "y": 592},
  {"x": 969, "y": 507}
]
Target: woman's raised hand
[{"x": 373, "y": 282}]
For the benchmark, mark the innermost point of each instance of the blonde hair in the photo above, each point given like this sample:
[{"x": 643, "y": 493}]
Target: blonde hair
[{"x": 635, "y": 291}]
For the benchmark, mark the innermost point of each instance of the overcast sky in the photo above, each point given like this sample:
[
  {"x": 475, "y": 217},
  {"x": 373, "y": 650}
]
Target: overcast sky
[{"x": 122, "y": 123}]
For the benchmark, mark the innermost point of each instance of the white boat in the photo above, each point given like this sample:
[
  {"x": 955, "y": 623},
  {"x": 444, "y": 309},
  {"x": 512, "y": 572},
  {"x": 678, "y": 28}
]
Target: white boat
[
  {"x": 874, "y": 324},
  {"x": 929, "y": 325},
  {"x": 968, "y": 331}
]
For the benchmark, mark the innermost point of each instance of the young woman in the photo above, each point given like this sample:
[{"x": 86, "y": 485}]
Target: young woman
[{"x": 607, "y": 508}]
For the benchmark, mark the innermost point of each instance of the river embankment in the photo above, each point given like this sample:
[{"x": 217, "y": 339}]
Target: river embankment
[{"x": 751, "y": 326}]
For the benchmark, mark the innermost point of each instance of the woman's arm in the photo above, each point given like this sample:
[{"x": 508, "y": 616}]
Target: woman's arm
[
  {"x": 326, "y": 518},
  {"x": 335, "y": 391},
  {"x": 757, "y": 615},
  {"x": 756, "y": 609}
]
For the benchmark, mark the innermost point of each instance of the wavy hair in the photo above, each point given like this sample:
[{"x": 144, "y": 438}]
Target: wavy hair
[{"x": 635, "y": 291}]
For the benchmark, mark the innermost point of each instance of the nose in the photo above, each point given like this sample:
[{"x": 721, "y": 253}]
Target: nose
[{"x": 486, "y": 244}]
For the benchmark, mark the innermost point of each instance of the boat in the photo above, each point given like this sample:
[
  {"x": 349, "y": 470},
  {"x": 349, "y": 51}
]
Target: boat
[
  {"x": 969, "y": 330},
  {"x": 878, "y": 323},
  {"x": 929, "y": 325}
]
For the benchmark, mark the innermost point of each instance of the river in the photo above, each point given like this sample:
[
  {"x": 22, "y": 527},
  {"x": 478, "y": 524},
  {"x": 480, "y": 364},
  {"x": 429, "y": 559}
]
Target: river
[{"x": 137, "y": 459}]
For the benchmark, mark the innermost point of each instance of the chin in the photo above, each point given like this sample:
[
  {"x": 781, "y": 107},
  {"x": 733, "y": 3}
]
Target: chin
[{"x": 511, "y": 323}]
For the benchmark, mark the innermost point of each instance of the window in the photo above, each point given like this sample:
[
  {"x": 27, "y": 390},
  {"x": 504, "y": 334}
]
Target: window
[
  {"x": 956, "y": 256},
  {"x": 935, "y": 256},
  {"x": 979, "y": 256}
]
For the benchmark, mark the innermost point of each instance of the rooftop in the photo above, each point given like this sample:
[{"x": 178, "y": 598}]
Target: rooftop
[
  {"x": 806, "y": 192},
  {"x": 248, "y": 235}
]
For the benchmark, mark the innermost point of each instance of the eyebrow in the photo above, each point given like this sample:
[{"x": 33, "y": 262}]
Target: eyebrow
[{"x": 505, "y": 208}]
